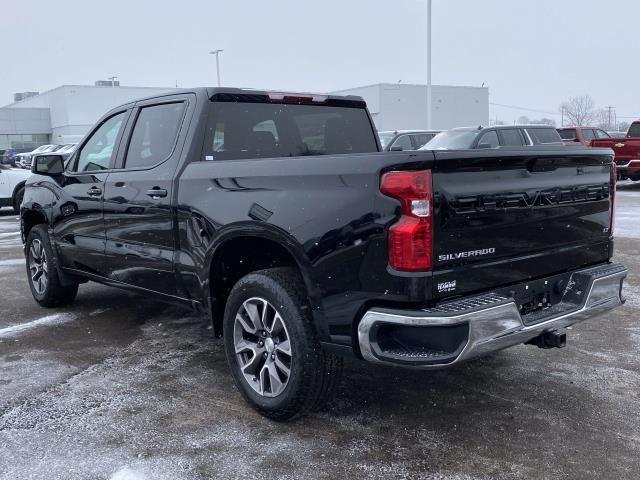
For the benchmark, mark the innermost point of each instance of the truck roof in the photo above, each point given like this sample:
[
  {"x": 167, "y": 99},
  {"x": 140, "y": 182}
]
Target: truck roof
[{"x": 210, "y": 92}]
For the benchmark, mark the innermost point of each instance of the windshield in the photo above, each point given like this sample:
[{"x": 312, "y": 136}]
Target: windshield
[
  {"x": 452, "y": 140},
  {"x": 385, "y": 138}
]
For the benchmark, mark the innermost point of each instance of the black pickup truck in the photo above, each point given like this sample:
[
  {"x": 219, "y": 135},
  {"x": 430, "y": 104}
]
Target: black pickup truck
[{"x": 279, "y": 217}]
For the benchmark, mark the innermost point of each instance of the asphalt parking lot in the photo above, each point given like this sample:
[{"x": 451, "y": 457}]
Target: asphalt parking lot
[{"x": 122, "y": 387}]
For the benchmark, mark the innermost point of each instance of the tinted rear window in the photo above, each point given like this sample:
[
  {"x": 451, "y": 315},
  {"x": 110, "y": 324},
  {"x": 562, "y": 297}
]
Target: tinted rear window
[
  {"x": 569, "y": 134},
  {"x": 265, "y": 130},
  {"x": 544, "y": 135},
  {"x": 634, "y": 130}
]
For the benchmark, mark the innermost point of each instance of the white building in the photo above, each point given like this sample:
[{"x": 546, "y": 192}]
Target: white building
[
  {"x": 64, "y": 114},
  {"x": 404, "y": 106}
]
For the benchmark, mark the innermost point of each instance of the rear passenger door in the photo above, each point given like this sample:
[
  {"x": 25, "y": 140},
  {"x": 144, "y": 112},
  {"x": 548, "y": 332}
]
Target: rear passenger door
[{"x": 138, "y": 208}]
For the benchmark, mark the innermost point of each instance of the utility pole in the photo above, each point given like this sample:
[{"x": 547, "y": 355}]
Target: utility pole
[
  {"x": 562, "y": 113},
  {"x": 429, "y": 106},
  {"x": 609, "y": 108},
  {"x": 113, "y": 81},
  {"x": 217, "y": 54}
]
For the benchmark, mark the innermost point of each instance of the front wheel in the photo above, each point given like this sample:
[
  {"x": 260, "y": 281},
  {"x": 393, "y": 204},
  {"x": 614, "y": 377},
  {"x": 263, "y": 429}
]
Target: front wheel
[
  {"x": 17, "y": 200},
  {"x": 42, "y": 271},
  {"x": 272, "y": 347}
]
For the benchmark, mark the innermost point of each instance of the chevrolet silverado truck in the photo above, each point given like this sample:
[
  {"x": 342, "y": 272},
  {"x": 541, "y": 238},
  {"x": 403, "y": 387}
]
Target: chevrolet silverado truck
[
  {"x": 627, "y": 152},
  {"x": 280, "y": 218}
]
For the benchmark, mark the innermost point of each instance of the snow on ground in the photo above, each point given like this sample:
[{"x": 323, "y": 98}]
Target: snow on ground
[
  {"x": 49, "y": 320},
  {"x": 12, "y": 262},
  {"x": 627, "y": 222}
]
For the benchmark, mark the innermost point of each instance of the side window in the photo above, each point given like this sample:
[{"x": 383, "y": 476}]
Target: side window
[
  {"x": 421, "y": 139},
  {"x": 602, "y": 134},
  {"x": 154, "y": 134},
  {"x": 97, "y": 152},
  {"x": 404, "y": 142},
  {"x": 588, "y": 134},
  {"x": 542, "y": 135},
  {"x": 511, "y": 137},
  {"x": 489, "y": 140}
]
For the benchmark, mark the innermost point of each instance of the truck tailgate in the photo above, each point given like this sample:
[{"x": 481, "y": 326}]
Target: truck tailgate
[{"x": 502, "y": 218}]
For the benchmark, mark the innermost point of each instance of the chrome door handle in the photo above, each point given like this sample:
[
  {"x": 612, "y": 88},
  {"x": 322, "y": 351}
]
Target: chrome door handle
[
  {"x": 157, "y": 192},
  {"x": 94, "y": 192}
]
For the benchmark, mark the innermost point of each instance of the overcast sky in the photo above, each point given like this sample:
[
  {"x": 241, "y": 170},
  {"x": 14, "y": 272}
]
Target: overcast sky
[{"x": 532, "y": 54}]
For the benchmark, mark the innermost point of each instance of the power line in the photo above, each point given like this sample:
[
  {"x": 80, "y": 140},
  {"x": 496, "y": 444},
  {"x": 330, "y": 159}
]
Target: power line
[{"x": 526, "y": 109}]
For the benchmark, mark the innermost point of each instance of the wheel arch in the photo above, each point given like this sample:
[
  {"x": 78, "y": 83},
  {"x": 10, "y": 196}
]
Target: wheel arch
[{"x": 241, "y": 250}]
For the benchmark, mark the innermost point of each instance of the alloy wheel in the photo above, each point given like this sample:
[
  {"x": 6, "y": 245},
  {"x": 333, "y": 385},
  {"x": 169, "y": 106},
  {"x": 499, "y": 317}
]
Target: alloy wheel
[
  {"x": 38, "y": 267},
  {"x": 262, "y": 347}
]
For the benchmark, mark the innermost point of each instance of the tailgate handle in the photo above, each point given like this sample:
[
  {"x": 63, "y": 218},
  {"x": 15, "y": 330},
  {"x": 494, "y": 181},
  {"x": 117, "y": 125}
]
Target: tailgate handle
[{"x": 542, "y": 165}]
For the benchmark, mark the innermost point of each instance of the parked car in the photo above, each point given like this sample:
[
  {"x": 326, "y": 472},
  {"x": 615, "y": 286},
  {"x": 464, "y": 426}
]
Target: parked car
[
  {"x": 12, "y": 182},
  {"x": 399, "y": 140},
  {"x": 9, "y": 156},
  {"x": 627, "y": 152},
  {"x": 277, "y": 216},
  {"x": 23, "y": 160},
  {"x": 582, "y": 135},
  {"x": 464, "y": 138}
]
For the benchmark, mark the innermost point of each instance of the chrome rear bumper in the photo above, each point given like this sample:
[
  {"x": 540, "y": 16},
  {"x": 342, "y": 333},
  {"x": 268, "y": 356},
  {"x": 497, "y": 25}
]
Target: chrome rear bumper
[{"x": 485, "y": 323}]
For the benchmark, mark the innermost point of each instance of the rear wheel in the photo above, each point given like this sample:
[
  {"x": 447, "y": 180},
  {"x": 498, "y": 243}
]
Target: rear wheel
[
  {"x": 42, "y": 271},
  {"x": 17, "y": 199},
  {"x": 272, "y": 347}
]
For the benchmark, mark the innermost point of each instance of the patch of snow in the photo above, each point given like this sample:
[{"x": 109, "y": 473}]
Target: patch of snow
[
  {"x": 127, "y": 474},
  {"x": 48, "y": 321},
  {"x": 12, "y": 262}
]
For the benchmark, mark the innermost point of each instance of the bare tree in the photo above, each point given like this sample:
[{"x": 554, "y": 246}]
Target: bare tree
[
  {"x": 578, "y": 110},
  {"x": 602, "y": 119}
]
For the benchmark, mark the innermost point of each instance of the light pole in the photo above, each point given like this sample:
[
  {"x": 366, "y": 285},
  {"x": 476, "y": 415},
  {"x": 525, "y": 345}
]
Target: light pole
[
  {"x": 113, "y": 80},
  {"x": 428, "y": 64},
  {"x": 217, "y": 54}
]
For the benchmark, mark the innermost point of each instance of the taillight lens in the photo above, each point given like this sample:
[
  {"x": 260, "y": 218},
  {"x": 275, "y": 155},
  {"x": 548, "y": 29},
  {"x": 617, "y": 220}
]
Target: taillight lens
[
  {"x": 411, "y": 238},
  {"x": 612, "y": 188}
]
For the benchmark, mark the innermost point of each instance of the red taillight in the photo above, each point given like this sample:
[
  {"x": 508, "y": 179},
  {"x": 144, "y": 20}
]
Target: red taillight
[
  {"x": 612, "y": 188},
  {"x": 411, "y": 238}
]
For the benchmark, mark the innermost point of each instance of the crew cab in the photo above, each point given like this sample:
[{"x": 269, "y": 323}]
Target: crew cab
[
  {"x": 582, "y": 135},
  {"x": 463, "y": 138},
  {"x": 12, "y": 181},
  {"x": 278, "y": 216},
  {"x": 627, "y": 152}
]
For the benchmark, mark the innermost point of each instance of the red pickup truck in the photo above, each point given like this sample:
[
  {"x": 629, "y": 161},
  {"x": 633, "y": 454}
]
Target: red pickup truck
[{"x": 627, "y": 151}]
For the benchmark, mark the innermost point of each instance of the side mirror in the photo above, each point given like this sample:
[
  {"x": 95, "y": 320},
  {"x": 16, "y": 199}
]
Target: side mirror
[
  {"x": 49, "y": 165},
  {"x": 485, "y": 145},
  {"x": 396, "y": 148}
]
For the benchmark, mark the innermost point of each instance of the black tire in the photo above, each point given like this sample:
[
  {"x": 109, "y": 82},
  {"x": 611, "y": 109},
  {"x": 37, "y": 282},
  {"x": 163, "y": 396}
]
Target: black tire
[
  {"x": 50, "y": 293},
  {"x": 17, "y": 199},
  {"x": 313, "y": 373}
]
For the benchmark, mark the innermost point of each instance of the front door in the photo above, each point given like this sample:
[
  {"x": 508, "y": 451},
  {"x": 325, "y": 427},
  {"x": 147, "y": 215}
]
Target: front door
[
  {"x": 78, "y": 227},
  {"x": 138, "y": 208}
]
